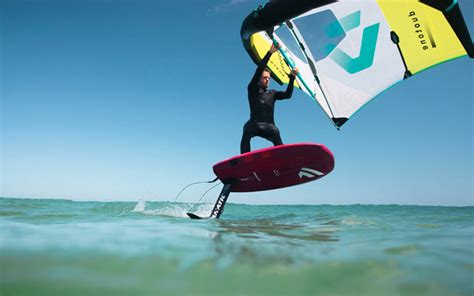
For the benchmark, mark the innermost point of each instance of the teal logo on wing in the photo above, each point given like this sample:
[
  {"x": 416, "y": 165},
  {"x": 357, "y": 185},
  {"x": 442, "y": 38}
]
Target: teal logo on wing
[
  {"x": 326, "y": 32},
  {"x": 366, "y": 53}
]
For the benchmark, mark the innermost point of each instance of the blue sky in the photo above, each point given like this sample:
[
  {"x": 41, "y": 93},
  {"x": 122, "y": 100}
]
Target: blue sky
[{"x": 127, "y": 100}]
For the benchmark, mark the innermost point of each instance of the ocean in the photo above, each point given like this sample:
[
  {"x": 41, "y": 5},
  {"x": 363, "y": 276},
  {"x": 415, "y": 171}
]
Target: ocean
[{"x": 64, "y": 247}]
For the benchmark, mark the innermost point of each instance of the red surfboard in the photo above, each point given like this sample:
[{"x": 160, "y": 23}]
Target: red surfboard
[{"x": 275, "y": 167}]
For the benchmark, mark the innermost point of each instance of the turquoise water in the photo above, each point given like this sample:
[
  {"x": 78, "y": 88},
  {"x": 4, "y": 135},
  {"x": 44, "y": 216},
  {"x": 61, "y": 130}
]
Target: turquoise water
[{"x": 62, "y": 247}]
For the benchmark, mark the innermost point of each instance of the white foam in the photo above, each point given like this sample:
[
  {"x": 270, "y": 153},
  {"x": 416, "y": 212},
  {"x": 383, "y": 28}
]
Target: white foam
[
  {"x": 178, "y": 210},
  {"x": 140, "y": 206}
]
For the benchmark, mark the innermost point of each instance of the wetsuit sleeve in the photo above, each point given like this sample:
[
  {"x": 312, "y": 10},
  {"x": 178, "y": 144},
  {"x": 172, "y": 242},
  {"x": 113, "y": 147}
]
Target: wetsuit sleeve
[
  {"x": 281, "y": 95},
  {"x": 258, "y": 73}
]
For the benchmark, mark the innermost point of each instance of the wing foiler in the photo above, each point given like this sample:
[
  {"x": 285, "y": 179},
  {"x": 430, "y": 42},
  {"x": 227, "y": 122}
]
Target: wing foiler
[{"x": 350, "y": 51}]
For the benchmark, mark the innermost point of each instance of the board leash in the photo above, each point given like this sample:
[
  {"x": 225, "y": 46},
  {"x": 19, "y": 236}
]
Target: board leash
[
  {"x": 195, "y": 183},
  {"x": 204, "y": 194}
]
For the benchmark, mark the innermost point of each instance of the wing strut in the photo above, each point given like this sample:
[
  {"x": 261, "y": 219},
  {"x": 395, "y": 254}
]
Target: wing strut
[{"x": 297, "y": 35}]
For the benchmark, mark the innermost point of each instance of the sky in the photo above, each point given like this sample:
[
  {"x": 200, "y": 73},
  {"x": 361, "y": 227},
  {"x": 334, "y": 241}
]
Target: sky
[{"x": 120, "y": 100}]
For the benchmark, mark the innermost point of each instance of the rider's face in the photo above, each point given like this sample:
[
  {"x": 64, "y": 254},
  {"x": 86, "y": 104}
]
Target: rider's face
[{"x": 265, "y": 79}]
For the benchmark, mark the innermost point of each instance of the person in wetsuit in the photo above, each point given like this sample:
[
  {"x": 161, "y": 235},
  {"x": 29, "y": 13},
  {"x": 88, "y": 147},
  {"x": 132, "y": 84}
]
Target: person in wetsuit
[{"x": 262, "y": 104}]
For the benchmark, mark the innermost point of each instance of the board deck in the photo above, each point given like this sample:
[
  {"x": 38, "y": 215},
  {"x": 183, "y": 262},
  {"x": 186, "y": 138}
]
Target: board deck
[{"x": 275, "y": 167}]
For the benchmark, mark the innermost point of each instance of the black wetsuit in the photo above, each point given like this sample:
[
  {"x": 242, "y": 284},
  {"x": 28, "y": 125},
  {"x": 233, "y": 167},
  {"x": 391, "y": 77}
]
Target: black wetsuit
[{"x": 262, "y": 107}]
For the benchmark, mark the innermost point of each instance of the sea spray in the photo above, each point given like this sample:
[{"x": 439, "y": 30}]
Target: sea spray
[{"x": 177, "y": 210}]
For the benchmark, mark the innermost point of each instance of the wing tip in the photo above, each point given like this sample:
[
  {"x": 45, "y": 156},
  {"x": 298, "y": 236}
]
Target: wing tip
[{"x": 339, "y": 121}]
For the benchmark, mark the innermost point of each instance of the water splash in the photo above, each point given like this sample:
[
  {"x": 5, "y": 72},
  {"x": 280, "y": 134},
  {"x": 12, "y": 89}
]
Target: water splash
[
  {"x": 172, "y": 209},
  {"x": 140, "y": 206}
]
